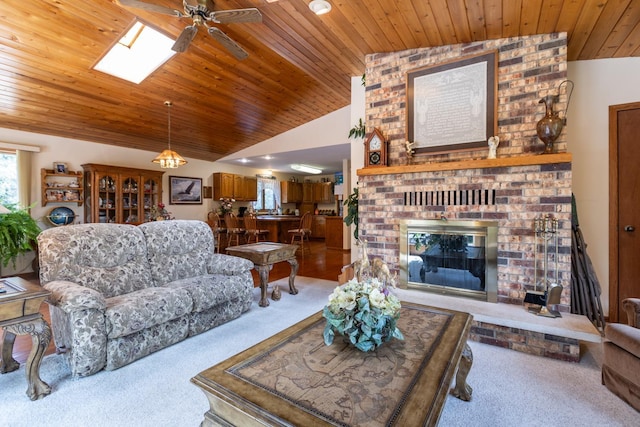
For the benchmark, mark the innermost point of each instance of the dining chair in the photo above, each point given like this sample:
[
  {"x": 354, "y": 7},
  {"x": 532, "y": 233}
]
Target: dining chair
[
  {"x": 303, "y": 232},
  {"x": 252, "y": 232},
  {"x": 213, "y": 219},
  {"x": 234, "y": 231}
]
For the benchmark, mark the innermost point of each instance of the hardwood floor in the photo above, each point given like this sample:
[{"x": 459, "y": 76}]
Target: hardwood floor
[{"x": 321, "y": 263}]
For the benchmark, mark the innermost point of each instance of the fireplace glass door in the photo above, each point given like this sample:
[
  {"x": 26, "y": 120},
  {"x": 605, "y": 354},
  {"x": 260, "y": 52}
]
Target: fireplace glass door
[{"x": 452, "y": 259}]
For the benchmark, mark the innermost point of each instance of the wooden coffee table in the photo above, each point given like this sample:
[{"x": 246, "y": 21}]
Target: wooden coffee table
[
  {"x": 20, "y": 315},
  {"x": 293, "y": 378},
  {"x": 264, "y": 255}
]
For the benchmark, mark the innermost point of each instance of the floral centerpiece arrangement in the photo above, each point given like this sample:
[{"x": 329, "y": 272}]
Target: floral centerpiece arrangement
[
  {"x": 226, "y": 205},
  {"x": 364, "y": 313},
  {"x": 159, "y": 213}
]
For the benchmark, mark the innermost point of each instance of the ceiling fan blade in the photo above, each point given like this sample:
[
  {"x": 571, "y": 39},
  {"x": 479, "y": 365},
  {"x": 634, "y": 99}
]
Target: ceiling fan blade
[
  {"x": 185, "y": 38},
  {"x": 229, "y": 44},
  {"x": 235, "y": 15},
  {"x": 151, "y": 7}
]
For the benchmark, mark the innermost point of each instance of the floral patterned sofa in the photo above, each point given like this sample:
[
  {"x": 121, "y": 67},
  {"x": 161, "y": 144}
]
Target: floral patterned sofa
[{"x": 121, "y": 292}]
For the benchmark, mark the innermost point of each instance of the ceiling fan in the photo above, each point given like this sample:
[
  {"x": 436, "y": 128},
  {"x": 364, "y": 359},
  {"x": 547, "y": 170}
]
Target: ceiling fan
[{"x": 200, "y": 14}]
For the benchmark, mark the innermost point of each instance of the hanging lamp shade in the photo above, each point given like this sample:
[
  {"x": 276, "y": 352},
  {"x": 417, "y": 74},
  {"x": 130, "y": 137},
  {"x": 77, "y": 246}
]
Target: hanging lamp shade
[{"x": 169, "y": 159}]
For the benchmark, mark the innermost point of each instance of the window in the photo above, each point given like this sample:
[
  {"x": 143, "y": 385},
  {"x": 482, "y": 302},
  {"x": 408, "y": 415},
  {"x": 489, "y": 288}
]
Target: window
[
  {"x": 137, "y": 54},
  {"x": 268, "y": 194},
  {"x": 8, "y": 178}
]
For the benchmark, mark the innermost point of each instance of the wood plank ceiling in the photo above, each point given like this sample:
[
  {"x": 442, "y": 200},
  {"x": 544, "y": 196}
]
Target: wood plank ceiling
[{"x": 299, "y": 65}]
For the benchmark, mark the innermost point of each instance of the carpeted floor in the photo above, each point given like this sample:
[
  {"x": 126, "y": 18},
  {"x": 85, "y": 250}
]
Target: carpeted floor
[{"x": 510, "y": 388}]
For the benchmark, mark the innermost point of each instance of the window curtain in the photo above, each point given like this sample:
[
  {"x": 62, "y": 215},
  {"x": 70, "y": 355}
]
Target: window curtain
[
  {"x": 268, "y": 193},
  {"x": 23, "y": 163}
]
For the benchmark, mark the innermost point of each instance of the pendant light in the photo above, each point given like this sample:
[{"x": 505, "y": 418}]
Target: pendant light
[{"x": 169, "y": 159}]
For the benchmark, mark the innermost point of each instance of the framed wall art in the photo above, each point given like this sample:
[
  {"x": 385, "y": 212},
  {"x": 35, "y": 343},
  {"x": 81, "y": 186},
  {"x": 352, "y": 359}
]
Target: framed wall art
[
  {"x": 185, "y": 191},
  {"x": 453, "y": 106},
  {"x": 59, "y": 167}
]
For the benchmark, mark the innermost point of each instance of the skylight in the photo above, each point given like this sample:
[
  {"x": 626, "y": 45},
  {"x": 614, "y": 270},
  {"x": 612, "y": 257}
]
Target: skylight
[{"x": 137, "y": 54}]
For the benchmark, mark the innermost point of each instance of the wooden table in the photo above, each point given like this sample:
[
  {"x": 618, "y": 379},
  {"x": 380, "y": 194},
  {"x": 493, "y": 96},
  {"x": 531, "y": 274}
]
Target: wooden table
[
  {"x": 20, "y": 315},
  {"x": 264, "y": 255},
  {"x": 293, "y": 378}
]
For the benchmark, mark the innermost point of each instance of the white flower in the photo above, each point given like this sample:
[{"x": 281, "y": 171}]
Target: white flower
[{"x": 377, "y": 298}]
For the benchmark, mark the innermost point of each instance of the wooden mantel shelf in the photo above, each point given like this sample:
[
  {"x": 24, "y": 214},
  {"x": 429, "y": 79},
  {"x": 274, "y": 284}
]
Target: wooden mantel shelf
[{"x": 539, "y": 159}]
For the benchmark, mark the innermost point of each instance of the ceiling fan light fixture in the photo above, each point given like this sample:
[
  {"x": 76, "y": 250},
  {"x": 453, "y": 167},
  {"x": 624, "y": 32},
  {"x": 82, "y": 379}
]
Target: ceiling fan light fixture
[
  {"x": 320, "y": 7},
  {"x": 306, "y": 169},
  {"x": 169, "y": 159}
]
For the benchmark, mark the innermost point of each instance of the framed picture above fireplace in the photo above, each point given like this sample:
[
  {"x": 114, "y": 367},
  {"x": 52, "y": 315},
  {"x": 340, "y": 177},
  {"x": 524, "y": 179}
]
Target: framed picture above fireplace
[{"x": 453, "y": 106}]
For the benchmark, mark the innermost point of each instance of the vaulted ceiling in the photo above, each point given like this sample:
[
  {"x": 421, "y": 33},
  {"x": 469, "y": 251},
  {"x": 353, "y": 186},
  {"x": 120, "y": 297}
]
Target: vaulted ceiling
[{"x": 299, "y": 65}]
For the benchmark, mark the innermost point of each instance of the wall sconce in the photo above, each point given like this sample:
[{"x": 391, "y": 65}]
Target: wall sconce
[
  {"x": 550, "y": 126},
  {"x": 169, "y": 159}
]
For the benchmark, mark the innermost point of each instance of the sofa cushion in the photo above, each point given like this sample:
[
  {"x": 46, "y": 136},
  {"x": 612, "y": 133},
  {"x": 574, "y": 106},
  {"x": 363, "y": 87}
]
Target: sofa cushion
[
  {"x": 145, "y": 308},
  {"x": 177, "y": 249},
  {"x": 624, "y": 336},
  {"x": 213, "y": 289},
  {"x": 109, "y": 258}
]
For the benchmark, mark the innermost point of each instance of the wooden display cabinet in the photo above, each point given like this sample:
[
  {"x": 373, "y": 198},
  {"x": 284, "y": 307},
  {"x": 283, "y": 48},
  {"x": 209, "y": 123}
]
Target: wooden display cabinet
[
  {"x": 61, "y": 187},
  {"x": 119, "y": 194}
]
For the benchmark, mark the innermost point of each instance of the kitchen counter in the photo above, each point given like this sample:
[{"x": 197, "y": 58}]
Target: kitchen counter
[{"x": 278, "y": 226}]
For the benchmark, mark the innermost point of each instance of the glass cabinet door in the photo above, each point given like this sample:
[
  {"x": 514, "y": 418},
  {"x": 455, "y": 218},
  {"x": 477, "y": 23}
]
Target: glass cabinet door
[
  {"x": 151, "y": 198},
  {"x": 130, "y": 200},
  {"x": 107, "y": 199}
]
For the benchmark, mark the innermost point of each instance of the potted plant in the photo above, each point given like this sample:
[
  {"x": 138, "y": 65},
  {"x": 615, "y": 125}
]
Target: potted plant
[
  {"x": 352, "y": 211},
  {"x": 18, "y": 233}
]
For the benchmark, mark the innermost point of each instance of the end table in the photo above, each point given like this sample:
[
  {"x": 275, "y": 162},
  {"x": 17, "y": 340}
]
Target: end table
[{"x": 20, "y": 302}]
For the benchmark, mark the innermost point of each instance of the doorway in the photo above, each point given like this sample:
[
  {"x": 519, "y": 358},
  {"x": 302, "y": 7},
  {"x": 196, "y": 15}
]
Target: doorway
[{"x": 624, "y": 200}]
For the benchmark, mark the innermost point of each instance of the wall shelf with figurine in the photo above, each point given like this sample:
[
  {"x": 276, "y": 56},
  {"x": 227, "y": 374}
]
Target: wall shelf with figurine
[{"x": 67, "y": 187}]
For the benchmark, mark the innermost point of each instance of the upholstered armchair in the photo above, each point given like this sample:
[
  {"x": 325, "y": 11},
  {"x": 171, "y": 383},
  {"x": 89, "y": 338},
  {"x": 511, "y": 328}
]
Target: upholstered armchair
[{"x": 621, "y": 364}]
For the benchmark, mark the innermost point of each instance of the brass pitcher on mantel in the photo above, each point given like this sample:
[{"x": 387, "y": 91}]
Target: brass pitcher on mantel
[{"x": 550, "y": 126}]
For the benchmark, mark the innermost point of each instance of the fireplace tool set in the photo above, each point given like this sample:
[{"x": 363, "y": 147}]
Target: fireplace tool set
[{"x": 546, "y": 234}]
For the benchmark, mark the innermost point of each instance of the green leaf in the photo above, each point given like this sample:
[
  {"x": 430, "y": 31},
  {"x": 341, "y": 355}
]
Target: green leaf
[{"x": 328, "y": 334}]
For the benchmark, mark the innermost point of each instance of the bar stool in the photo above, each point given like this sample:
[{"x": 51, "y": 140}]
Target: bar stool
[
  {"x": 213, "y": 219},
  {"x": 234, "y": 231},
  {"x": 252, "y": 232},
  {"x": 303, "y": 232}
]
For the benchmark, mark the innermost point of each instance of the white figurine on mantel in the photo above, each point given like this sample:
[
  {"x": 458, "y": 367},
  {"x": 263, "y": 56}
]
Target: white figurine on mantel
[{"x": 494, "y": 141}]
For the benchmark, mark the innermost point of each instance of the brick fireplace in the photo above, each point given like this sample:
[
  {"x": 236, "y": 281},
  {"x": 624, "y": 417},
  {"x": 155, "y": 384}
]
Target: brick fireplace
[
  {"x": 521, "y": 184},
  {"x": 512, "y": 190},
  {"x": 518, "y": 195}
]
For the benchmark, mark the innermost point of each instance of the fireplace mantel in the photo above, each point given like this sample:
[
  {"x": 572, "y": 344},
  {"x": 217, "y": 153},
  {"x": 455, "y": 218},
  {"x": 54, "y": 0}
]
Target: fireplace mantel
[{"x": 540, "y": 159}]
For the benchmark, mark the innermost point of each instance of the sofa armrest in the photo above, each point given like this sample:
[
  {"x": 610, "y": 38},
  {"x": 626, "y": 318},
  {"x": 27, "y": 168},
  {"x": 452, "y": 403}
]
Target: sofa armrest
[
  {"x": 631, "y": 307},
  {"x": 70, "y": 296},
  {"x": 228, "y": 265},
  {"x": 624, "y": 336}
]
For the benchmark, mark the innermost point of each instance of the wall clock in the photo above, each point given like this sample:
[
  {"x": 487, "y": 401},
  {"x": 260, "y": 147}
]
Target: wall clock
[{"x": 375, "y": 149}]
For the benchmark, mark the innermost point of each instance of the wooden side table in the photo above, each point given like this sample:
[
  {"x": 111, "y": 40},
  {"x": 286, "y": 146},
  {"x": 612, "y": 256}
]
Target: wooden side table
[
  {"x": 263, "y": 255},
  {"x": 20, "y": 315}
]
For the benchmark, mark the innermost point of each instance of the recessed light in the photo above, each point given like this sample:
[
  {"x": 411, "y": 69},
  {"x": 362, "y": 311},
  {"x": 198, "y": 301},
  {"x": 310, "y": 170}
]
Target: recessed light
[{"x": 320, "y": 7}]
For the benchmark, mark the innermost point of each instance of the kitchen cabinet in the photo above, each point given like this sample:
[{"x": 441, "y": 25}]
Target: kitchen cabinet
[
  {"x": 120, "y": 194},
  {"x": 323, "y": 192},
  {"x": 291, "y": 192},
  {"x": 318, "y": 226},
  {"x": 223, "y": 185},
  {"x": 307, "y": 192},
  {"x": 61, "y": 187},
  {"x": 334, "y": 232},
  {"x": 232, "y": 186}
]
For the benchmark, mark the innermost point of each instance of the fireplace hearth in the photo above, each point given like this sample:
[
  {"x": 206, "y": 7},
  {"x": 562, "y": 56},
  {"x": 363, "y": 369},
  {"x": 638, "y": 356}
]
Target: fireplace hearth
[{"x": 455, "y": 258}]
